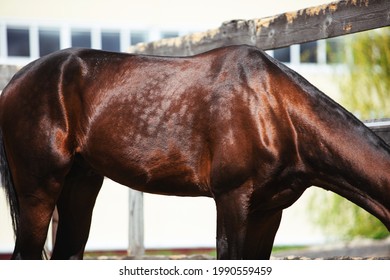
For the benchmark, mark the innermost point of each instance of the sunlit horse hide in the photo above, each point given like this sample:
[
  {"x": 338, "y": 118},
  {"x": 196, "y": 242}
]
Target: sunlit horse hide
[{"x": 233, "y": 124}]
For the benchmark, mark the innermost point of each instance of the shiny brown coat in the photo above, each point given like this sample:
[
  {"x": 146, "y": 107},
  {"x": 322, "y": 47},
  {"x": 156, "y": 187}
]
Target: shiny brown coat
[{"x": 232, "y": 124}]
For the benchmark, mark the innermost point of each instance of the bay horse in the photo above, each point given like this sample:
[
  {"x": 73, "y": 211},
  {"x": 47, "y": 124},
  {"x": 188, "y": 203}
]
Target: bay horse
[{"x": 233, "y": 124}]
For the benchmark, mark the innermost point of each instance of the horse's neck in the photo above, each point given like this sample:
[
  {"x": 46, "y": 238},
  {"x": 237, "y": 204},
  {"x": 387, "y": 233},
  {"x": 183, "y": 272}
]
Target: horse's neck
[{"x": 344, "y": 156}]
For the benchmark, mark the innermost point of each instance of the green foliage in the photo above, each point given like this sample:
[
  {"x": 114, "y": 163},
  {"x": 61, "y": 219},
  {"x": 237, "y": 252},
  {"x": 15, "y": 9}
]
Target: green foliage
[
  {"x": 365, "y": 92},
  {"x": 366, "y": 88},
  {"x": 341, "y": 219}
]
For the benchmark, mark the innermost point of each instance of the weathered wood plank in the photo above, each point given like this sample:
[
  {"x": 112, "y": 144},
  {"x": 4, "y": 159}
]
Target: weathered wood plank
[
  {"x": 6, "y": 73},
  {"x": 310, "y": 24},
  {"x": 381, "y": 128}
]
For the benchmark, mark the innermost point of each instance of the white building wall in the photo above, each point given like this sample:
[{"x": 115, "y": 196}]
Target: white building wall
[
  {"x": 182, "y": 222},
  {"x": 159, "y": 13}
]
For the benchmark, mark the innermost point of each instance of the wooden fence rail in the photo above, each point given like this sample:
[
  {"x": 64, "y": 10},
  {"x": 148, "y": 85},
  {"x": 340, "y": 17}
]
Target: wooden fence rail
[{"x": 310, "y": 24}]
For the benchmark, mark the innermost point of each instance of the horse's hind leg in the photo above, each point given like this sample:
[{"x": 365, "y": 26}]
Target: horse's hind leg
[
  {"x": 36, "y": 199},
  {"x": 33, "y": 225},
  {"x": 75, "y": 207}
]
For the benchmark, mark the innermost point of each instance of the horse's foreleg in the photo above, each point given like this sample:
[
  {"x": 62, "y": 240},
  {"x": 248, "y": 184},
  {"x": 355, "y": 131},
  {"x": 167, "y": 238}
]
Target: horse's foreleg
[
  {"x": 242, "y": 232},
  {"x": 75, "y": 207},
  {"x": 244, "y": 235},
  {"x": 260, "y": 235},
  {"x": 231, "y": 220}
]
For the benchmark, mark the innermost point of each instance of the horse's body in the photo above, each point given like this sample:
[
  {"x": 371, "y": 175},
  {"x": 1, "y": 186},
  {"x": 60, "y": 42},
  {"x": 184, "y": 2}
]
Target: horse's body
[{"x": 232, "y": 124}]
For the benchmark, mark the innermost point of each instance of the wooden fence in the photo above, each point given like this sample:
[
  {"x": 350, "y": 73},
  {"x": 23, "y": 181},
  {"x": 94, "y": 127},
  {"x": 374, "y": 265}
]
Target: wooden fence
[{"x": 310, "y": 24}]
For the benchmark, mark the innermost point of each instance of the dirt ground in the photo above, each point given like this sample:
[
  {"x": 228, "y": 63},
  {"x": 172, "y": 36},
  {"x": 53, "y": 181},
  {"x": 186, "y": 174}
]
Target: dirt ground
[{"x": 354, "y": 250}]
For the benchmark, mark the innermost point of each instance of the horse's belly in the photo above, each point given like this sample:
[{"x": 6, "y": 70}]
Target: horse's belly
[{"x": 154, "y": 172}]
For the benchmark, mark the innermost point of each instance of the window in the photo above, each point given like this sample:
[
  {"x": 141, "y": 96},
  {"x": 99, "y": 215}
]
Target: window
[
  {"x": 49, "y": 41},
  {"x": 334, "y": 51},
  {"x": 81, "y": 38},
  {"x": 137, "y": 37},
  {"x": 18, "y": 42},
  {"x": 169, "y": 34},
  {"x": 283, "y": 54},
  {"x": 111, "y": 41},
  {"x": 308, "y": 52}
]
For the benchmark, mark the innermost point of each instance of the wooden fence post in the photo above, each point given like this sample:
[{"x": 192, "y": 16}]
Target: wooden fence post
[{"x": 136, "y": 224}]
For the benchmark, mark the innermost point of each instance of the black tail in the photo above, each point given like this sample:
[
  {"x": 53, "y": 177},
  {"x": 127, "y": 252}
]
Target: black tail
[{"x": 7, "y": 184}]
